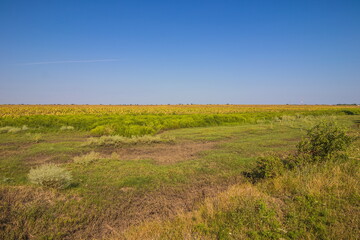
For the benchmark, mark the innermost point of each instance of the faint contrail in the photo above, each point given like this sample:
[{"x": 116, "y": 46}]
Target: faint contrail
[{"x": 70, "y": 61}]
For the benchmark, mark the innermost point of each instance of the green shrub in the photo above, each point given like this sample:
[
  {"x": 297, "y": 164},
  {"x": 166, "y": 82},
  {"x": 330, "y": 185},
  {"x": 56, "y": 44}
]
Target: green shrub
[
  {"x": 267, "y": 167},
  {"x": 324, "y": 141},
  {"x": 293, "y": 161},
  {"x": 87, "y": 158},
  {"x": 50, "y": 175}
]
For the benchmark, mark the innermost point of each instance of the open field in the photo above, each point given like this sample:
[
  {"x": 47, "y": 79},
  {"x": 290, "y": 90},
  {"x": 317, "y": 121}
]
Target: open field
[
  {"x": 143, "y": 120},
  {"x": 173, "y": 172}
]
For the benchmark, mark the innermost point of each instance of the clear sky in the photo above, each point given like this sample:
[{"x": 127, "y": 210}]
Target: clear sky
[{"x": 169, "y": 52}]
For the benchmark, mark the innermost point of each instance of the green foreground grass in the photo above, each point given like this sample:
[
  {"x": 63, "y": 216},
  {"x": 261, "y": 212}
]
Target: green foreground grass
[{"x": 204, "y": 197}]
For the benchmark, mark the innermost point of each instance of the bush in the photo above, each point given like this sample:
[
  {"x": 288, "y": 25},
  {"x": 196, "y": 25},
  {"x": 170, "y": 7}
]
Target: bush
[
  {"x": 324, "y": 141},
  {"x": 293, "y": 161},
  {"x": 50, "y": 175},
  {"x": 267, "y": 167},
  {"x": 87, "y": 158}
]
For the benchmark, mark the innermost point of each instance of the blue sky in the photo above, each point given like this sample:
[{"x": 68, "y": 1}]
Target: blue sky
[{"x": 169, "y": 52}]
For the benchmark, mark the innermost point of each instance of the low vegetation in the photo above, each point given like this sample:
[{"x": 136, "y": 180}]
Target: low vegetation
[
  {"x": 131, "y": 121},
  {"x": 50, "y": 175},
  {"x": 317, "y": 200},
  {"x": 64, "y": 128},
  {"x": 301, "y": 166},
  {"x": 87, "y": 158},
  {"x": 324, "y": 142},
  {"x": 120, "y": 140},
  {"x": 9, "y": 129},
  {"x": 267, "y": 167}
]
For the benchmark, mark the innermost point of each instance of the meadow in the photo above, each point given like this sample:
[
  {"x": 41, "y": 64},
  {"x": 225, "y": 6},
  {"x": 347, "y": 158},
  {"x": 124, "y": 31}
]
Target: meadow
[
  {"x": 174, "y": 172},
  {"x": 146, "y": 120}
]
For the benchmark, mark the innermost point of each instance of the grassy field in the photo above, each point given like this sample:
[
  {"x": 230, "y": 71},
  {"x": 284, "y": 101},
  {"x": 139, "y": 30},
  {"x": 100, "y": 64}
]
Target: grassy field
[
  {"x": 173, "y": 172},
  {"x": 148, "y": 120}
]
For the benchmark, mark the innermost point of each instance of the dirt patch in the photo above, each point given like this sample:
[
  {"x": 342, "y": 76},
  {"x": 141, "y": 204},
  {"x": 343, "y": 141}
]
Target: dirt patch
[
  {"x": 161, "y": 153},
  {"x": 61, "y": 139},
  {"x": 43, "y": 158},
  {"x": 39, "y": 159},
  {"x": 11, "y": 149},
  {"x": 134, "y": 208}
]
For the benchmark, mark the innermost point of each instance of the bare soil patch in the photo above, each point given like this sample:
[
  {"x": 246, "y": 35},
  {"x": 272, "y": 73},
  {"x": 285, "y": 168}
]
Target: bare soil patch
[
  {"x": 161, "y": 153},
  {"x": 11, "y": 149}
]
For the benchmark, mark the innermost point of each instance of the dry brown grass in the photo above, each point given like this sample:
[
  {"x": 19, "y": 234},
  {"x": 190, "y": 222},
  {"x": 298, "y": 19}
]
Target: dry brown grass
[
  {"x": 182, "y": 226},
  {"x": 161, "y": 153},
  {"x": 32, "y": 202}
]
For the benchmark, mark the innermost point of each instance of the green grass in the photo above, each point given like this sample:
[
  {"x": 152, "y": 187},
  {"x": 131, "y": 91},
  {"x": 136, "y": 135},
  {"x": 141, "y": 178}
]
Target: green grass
[
  {"x": 121, "y": 192},
  {"x": 318, "y": 201},
  {"x": 147, "y": 124}
]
